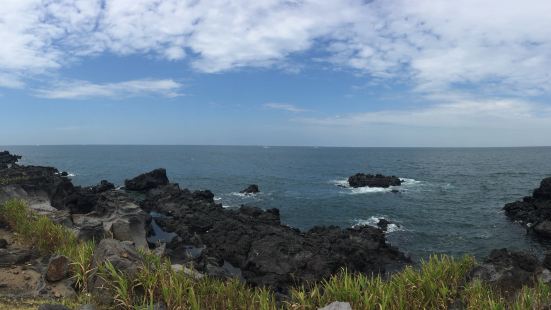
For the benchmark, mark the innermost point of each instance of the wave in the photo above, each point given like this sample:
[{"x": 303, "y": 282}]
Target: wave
[
  {"x": 406, "y": 182},
  {"x": 372, "y": 221}
]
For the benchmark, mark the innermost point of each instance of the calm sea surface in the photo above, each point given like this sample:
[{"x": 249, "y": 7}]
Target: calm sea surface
[{"x": 450, "y": 203}]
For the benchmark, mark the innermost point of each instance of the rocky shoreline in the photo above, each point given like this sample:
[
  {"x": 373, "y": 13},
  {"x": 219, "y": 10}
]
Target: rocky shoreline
[
  {"x": 246, "y": 243},
  {"x": 202, "y": 238}
]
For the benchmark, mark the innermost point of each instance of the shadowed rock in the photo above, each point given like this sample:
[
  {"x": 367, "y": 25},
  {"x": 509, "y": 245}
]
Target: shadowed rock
[
  {"x": 534, "y": 211},
  {"x": 370, "y": 180},
  {"x": 147, "y": 180},
  {"x": 7, "y": 160},
  {"x": 251, "y": 189},
  {"x": 252, "y": 243}
]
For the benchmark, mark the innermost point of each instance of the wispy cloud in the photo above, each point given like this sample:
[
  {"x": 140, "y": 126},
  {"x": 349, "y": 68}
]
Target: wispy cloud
[
  {"x": 86, "y": 90},
  {"x": 460, "y": 113},
  {"x": 284, "y": 107}
]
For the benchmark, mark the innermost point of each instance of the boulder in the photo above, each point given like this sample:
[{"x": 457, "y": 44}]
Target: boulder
[
  {"x": 147, "y": 181},
  {"x": 251, "y": 189},
  {"x": 370, "y": 180},
  {"x": 337, "y": 305},
  {"x": 58, "y": 268},
  {"x": 508, "y": 270}
]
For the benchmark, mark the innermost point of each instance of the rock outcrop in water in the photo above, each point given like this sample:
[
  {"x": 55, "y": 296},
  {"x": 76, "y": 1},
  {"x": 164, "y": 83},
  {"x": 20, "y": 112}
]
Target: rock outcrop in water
[
  {"x": 247, "y": 243},
  {"x": 251, "y": 189},
  {"x": 370, "y": 180},
  {"x": 534, "y": 211}
]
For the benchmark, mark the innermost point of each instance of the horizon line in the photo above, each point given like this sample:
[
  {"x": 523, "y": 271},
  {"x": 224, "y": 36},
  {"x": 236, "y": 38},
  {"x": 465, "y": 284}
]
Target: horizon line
[{"x": 268, "y": 146}]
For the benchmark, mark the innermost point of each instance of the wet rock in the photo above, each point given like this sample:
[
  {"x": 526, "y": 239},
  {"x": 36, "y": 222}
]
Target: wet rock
[
  {"x": 534, "y": 211},
  {"x": 370, "y": 180},
  {"x": 251, "y": 189},
  {"x": 147, "y": 181},
  {"x": 337, "y": 305},
  {"x": 53, "y": 307},
  {"x": 383, "y": 224},
  {"x": 58, "y": 268},
  {"x": 508, "y": 270},
  {"x": 7, "y": 160}
]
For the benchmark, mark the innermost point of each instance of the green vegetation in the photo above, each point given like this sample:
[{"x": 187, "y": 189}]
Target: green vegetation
[{"x": 438, "y": 283}]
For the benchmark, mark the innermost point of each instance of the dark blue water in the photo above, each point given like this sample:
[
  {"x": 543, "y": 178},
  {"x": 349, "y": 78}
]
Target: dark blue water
[{"x": 451, "y": 201}]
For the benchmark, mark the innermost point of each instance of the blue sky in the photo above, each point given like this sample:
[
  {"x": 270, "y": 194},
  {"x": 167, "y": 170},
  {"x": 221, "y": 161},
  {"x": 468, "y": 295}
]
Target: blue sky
[{"x": 293, "y": 72}]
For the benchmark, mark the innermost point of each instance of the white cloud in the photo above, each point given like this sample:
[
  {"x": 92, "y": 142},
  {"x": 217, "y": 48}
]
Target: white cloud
[
  {"x": 85, "y": 90},
  {"x": 458, "y": 113},
  {"x": 284, "y": 107},
  {"x": 435, "y": 45}
]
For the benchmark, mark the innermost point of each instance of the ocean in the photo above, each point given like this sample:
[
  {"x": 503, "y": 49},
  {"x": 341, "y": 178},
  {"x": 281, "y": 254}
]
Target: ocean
[{"x": 450, "y": 202}]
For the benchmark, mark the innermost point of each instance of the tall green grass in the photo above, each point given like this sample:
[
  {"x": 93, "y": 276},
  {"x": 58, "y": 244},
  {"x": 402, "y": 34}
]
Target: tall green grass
[
  {"x": 49, "y": 238},
  {"x": 438, "y": 283}
]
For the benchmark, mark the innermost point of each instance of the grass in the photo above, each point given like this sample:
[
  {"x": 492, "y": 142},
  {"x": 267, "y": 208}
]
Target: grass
[{"x": 437, "y": 283}]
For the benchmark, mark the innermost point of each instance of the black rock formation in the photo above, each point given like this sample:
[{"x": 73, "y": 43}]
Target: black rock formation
[
  {"x": 251, "y": 189},
  {"x": 534, "y": 211},
  {"x": 147, "y": 180},
  {"x": 370, "y": 180}
]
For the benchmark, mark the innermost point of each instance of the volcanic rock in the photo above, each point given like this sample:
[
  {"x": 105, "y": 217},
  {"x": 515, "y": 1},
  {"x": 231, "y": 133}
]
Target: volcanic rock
[
  {"x": 251, "y": 189},
  {"x": 534, "y": 211},
  {"x": 370, "y": 180},
  {"x": 508, "y": 270},
  {"x": 147, "y": 181},
  {"x": 253, "y": 243}
]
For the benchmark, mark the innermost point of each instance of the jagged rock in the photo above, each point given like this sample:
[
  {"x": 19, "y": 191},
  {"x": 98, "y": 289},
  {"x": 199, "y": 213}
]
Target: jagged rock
[
  {"x": 508, "y": 270},
  {"x": 58, "y": 268},
  {"x": 383, "y": 224},
  {"x": 252, "y": 242},
  {"x": 103, "y": 186},
  {"x": 7, "y": 160},
  {"x": 147, "y": 181},
  {"x": 251, "y": 189},
  {"x": 124, "y": 258},
  {"x": 53, "y": 307},
  {"x": 534, "y": 211},
  {"x": 370, "y": 180},
  {"x": 337, "y": 305}
]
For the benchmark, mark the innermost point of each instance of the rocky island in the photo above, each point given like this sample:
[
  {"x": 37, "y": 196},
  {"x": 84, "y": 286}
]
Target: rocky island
[{"x": 373, "y": 180}]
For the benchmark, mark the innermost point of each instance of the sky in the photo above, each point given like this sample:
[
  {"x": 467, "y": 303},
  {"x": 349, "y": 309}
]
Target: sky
[{"x": 276, "y": 72}]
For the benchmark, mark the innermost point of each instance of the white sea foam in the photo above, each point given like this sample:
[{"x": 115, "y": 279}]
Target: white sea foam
[
  {"x": 372, "y": 221},
  {"x": 217, "y": 198},
  {"x": 406, "y": 183},
  {"x": 242, "y": 195},
  {"x": 71, "y": 174}
]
